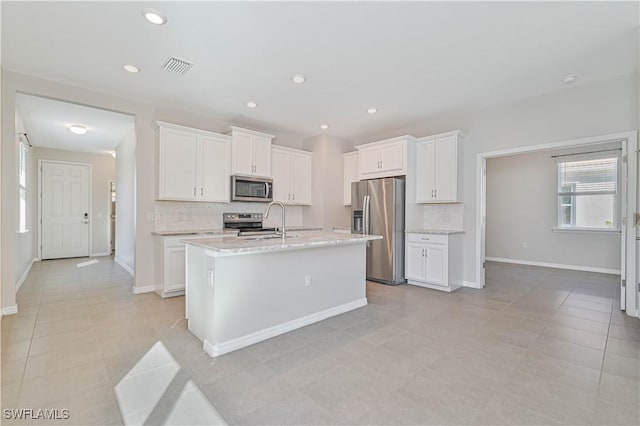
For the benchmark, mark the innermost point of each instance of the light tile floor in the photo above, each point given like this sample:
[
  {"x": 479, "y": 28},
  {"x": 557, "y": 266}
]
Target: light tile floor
[{"x": 536, "y": 346}]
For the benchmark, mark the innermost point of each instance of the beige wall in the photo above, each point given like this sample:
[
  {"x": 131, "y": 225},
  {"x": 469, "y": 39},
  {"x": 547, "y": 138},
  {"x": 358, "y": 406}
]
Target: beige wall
[
  {"x": 522, "y": 211},
  {"x": 327, "y": 186},
  {"x": 103, "y": 170},
  {"x": 126, "y": 202}
]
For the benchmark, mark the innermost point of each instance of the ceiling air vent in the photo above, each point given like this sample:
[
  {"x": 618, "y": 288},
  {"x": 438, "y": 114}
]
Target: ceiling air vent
[{"x": 176, "y": 65}]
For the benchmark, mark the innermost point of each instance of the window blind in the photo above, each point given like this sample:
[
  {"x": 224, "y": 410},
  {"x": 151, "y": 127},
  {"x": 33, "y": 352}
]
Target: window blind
[{"x": 588, "y": 177}]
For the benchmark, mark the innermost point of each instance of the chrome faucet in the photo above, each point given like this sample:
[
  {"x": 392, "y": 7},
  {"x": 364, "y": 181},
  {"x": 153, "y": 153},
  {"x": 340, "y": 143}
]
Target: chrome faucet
[{"x": 266, "y": 214}]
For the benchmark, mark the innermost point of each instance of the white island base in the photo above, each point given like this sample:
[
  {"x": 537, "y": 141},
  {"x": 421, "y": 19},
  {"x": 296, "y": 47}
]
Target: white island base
[{"x": 237, "y": 298}]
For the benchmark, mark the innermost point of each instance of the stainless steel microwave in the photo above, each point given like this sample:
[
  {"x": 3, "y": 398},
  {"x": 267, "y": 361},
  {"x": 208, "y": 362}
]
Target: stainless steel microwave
[{"x": 244, "y": 188}]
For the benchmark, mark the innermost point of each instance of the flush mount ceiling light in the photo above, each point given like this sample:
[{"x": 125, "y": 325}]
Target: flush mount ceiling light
[
  {"x": 298, "y": 78},
  {"x": 131, "y": 68},
  {"x": 154, "y": 16},
  {"x": 251, "y": 104},
  {"x": 569, "y": 79},
  {"x": 324, "y": 126},
  {"x": 77, "y": 129},
  {"x": 372, "y": 110}
]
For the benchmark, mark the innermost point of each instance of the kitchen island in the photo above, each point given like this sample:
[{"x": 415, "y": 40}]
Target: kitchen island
[{"x": 240, "y": 291}]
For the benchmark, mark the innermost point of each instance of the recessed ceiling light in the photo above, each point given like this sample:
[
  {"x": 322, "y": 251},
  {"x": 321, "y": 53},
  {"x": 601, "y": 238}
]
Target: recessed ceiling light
[
  {"x": 77, "y": 129},
  {"x": 154, "y": 16},
  {"x": 570, "y": 79},
  {"x": 131, "y": 68},
  {"x": 298, "y": 78},
  {"x": 251, "y": 104},
  {"x": 324, "y": 126},
  {"x": 372, "y": 110}
]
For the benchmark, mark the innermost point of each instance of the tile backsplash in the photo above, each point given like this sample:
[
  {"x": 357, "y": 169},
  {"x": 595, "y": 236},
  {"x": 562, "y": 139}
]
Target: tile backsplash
[
  {"x": 443, "y": 216},
  {"x": 184, "y": 215}
]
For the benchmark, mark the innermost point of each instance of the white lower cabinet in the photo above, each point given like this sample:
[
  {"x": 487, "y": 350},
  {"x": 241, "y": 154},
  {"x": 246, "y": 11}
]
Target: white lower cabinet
[
  {"x": 171, "y": 252},
  {"x": 434, "y": 261}
]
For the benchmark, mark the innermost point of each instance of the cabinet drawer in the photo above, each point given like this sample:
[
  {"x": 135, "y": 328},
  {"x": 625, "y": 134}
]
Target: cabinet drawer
[{"x": 428, "y": 238}]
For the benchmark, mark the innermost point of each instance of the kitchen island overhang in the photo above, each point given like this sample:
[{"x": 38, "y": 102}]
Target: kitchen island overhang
[{"x": 240, "y": 292}]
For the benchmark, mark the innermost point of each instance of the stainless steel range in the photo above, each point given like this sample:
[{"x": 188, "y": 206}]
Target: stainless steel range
[{"x": 247, "y": 224}]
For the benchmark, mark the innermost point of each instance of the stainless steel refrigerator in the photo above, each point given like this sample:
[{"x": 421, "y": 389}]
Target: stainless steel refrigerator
[{"x": 377, "y": 207}]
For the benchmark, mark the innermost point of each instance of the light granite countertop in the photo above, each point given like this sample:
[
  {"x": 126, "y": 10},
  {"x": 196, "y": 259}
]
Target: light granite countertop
[
  {"x": 245, "y": 245},
  {"x": 434, "y": 231},
  {"x": 196, "y": 232}
]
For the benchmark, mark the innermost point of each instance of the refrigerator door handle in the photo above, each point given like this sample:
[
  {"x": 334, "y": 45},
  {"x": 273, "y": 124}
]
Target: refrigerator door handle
[{"x": 365, "y": 215}]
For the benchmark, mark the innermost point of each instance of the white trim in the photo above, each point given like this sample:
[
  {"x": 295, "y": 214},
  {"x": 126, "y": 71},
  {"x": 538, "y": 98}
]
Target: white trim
[
  {"x": 471, "y": 284},
  {"x": 222, "y": 348},
  {"x": 555, "y": 265},
  {"x": 587, "y": 230},
  {"x": 10, "y": 310},
  {"x": 23, "y": 277},
  {"x": 592, "y": 140},
  {"x": 629, "y": 137},
  {"x": 385, "y": 141},
  {"x": 145, "y": 289},
  {"x": 39, "y": 200},
  {"x": 459, "y": 133},
  {"x": 101, "y": 254},
  {"x": 124, "y": 266}
]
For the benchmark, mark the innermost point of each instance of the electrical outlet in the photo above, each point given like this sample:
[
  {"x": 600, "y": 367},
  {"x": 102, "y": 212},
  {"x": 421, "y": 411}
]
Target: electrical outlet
[
  {"x": 525, "y": 245},
  {"x": 307, "y": 280}
]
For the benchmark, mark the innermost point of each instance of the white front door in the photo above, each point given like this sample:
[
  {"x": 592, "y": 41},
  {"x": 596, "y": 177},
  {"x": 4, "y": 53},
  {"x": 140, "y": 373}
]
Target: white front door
[{"x": 65, "y": 210}]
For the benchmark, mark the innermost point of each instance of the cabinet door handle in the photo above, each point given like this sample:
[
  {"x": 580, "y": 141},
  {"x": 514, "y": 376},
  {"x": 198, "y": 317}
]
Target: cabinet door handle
[
  {"x": 426, "y": 252},
  {"x": 436, "y": 192},
  {"x": 422, "y": 252},
  {"x": 194, "y": 191},
  {"x": 293, "y": 197},
  {"x": 201, "y": 191}
]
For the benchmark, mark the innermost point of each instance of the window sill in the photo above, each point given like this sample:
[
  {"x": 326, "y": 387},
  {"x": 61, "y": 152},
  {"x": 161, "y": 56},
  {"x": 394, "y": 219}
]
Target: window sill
[{"x": 587, "y": 230}]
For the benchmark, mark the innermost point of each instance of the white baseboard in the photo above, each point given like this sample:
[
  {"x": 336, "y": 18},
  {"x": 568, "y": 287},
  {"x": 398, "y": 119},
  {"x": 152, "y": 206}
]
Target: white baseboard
[
  {"x": 144, "y": 289},
  {"x": 555, "y": 265},
  {"x": 222, "y": 348},
  {"x": 124, "y": 266},
  {"x": 10, "y": 310},
  {"x": 471, "y": 284},
  {"x": 23, "y": 277},
  {"x": 102, "y": 254}
]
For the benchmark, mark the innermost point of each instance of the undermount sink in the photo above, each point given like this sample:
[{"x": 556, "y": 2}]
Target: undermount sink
[{"x": 268, "y": 237}]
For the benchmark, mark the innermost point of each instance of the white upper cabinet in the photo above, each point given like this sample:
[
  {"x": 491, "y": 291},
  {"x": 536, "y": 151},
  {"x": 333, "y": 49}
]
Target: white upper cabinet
[
  {"x": 193, "y": 164},
  {"x": 384, "y": 158},
  {"x": 350, "y": 164},
  {"x": 251, "y": 152},
  {"x": 291, "y": 173},
  {"x": 438, "y": 175}
]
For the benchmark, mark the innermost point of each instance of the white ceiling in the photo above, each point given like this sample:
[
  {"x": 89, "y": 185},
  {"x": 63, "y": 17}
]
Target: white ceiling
[
  {"x": 411, "y": 60},
  {"x": 47, "y": 122}
]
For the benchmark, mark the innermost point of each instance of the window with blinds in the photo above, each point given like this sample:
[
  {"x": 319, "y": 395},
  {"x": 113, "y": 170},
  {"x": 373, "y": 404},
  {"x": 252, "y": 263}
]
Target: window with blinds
[{"x": 587, "y": 193}]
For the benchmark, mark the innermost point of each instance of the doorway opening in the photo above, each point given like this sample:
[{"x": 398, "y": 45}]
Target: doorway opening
[{"x": 626, "y": 193}]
